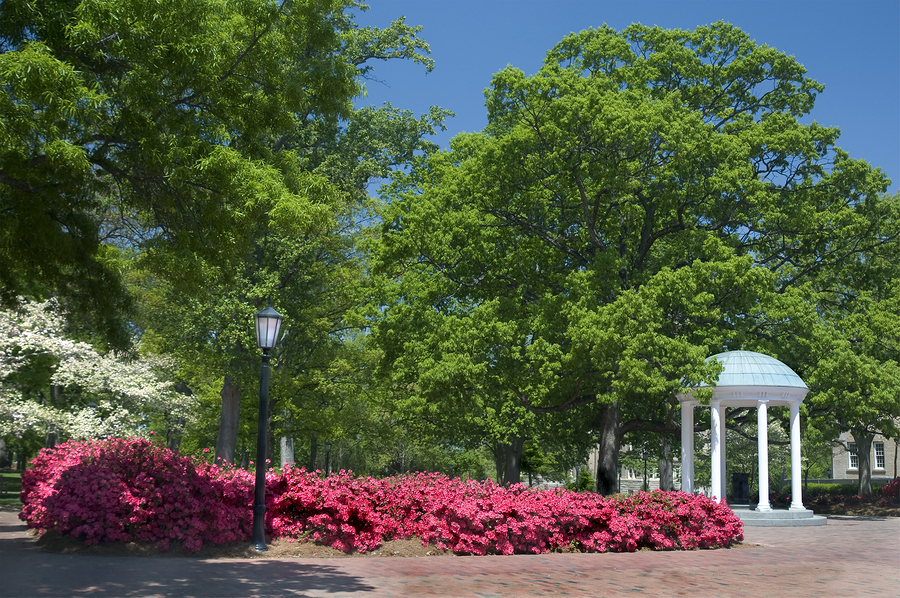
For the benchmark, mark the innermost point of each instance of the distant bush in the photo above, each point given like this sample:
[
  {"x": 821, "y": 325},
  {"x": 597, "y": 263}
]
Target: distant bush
[
  {"x": 123, "y": 490},
  {"x": 582, "y": 482},
  {"x": 823, "y": 495},
  {"x": 835, "y": 489}
]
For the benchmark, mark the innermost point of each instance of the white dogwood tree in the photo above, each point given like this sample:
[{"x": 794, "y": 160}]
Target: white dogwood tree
[{"x": 59, "y": 388}]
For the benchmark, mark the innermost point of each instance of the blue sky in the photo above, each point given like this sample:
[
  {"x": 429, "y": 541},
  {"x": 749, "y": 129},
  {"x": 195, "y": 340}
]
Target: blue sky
[{"x": 853, "y": 48}]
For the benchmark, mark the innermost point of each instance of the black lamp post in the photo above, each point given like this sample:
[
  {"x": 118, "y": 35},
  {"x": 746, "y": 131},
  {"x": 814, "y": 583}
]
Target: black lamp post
[
  {"x": 646, "y": 484},
  {"x": 268, "y": 323}
]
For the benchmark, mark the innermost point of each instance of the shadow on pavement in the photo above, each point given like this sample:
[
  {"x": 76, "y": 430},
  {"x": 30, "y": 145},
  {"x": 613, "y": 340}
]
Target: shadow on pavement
[
  {"x": 28, "y": 571},
  {"x": 855, "y": 517}
]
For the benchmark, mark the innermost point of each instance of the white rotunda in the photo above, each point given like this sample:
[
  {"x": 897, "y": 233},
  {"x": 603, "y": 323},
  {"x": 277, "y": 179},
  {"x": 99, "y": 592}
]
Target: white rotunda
[{"x": 748, "y": 380}]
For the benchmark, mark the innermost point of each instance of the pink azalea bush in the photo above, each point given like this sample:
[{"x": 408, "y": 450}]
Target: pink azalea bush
[
  {"x": 122, "y": 490},
  {"x": 134, "y": 490},
  {"x": 471, "y": 517},
  {"x": 890, "y": 493}
]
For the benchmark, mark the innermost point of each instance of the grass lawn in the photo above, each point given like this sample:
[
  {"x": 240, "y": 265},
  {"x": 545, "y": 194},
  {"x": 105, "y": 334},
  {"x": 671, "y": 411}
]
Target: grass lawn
[{"x": 10, "y": 486}]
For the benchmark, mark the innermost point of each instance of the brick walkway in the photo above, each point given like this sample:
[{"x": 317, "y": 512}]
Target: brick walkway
[{"x": 851, "y": 556}]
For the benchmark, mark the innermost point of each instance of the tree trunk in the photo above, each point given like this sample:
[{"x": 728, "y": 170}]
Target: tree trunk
[
  {"x": 499, "y": 461},
  {"x": 5, "y": 461},
  {"x": 175, "y": 426},
  {"x": 513, "y": 473},
  {"x": 666, "y": 480},
  {"x": 173, "y": 440},
  {"x": 608, "y": 440},
  {"x": 52, "y": 437},
  {"x": 863, "y": 450},
  {"x": 174, "y": 430},
  {"x": 753, "y": 477},
  {"x": 508, "y": 460},
  {"x": 313, "y": 446},
  {"x": 226, "y": 440},
  {"x": 287, "y": 451}
]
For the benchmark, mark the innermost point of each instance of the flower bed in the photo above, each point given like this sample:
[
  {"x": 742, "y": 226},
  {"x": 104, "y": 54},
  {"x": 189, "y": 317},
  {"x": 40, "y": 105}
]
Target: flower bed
[
  {"x": 124, "y": 490},
  {"x": 890, "y": 492},
  {"x": 825, "y": 496},
  {"x": 134, "y": 490}
]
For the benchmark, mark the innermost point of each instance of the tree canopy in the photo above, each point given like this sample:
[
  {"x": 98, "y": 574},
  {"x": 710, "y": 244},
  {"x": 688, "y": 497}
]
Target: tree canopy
[
  {"x": 167, "y": 168},
  {"x": 173, "y": 116},
  {"x": 646, "y": 199},
  {"x": 856, "y": 379}
]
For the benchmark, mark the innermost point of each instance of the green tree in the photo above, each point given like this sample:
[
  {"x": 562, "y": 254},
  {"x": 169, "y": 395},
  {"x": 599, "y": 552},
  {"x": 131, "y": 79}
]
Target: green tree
[
  {"x": 173, "y": 115},
  {"x": 317, "y": 280},
  {"x": 648, "y": 198},
  {"x": 855, "y": 383},
  {"x": 215, "y": 143}
]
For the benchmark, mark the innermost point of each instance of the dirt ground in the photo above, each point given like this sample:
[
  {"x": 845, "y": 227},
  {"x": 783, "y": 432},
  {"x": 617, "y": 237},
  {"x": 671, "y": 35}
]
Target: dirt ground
[
  {"x": 857, "y": 510},
  {"x": 279, "y": 548}
]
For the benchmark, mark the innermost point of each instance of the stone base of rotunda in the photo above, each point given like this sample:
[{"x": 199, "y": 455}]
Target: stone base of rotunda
[{"x": 750, "y": 517}]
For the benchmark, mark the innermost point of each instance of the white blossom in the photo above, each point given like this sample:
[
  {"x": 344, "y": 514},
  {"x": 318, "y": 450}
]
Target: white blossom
[{"x": 127, "y": 391}]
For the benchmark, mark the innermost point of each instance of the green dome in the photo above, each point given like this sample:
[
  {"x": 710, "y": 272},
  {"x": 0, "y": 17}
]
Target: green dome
[{"x": 746, "y": 368}]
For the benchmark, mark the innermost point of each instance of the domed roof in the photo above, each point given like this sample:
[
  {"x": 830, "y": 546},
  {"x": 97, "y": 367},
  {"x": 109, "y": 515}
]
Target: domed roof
[{"x": 746, "y": 368}]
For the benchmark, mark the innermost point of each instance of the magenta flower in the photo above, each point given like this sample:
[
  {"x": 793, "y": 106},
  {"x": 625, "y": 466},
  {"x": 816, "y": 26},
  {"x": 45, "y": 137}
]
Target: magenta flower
[{"x": 132, "y": 490}]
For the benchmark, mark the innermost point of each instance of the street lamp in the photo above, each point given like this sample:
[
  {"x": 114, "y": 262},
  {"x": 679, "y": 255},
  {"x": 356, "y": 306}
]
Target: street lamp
[
  {"x": 268, "y": 323},
  {"x": 646, "y": 484}
]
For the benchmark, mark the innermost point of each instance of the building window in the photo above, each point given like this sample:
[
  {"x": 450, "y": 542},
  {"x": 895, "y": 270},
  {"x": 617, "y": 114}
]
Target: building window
[
  {"x": 854, "y": 458},
  {"x": 879, "y": 455}
]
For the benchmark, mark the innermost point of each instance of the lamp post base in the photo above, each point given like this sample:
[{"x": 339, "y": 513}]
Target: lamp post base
[{"x": 259, "y": 528}]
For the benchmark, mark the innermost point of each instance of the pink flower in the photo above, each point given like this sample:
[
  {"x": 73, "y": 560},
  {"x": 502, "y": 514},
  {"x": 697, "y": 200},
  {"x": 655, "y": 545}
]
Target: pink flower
[
  {"x": 134, "y": 490},
  {"x": 206, "y": 450}
]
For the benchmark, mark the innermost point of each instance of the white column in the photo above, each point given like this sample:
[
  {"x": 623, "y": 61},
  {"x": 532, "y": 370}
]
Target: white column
[
  {"x": 796, "y": 487},
  {"x": 687, "y": 446},
  {"x": 762, "y": 432},
  {"x": 715, "y": 440},
  {"x": 723, "y": 477}
]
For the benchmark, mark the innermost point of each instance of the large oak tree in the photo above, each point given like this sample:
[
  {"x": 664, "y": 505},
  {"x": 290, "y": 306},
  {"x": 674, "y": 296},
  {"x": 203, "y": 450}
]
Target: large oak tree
[{"x": 646, "y": 199}]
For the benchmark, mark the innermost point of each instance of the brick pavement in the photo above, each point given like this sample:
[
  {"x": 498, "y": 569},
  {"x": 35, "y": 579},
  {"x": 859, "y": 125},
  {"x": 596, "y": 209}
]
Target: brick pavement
[{"x": 851, "y": 556}]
